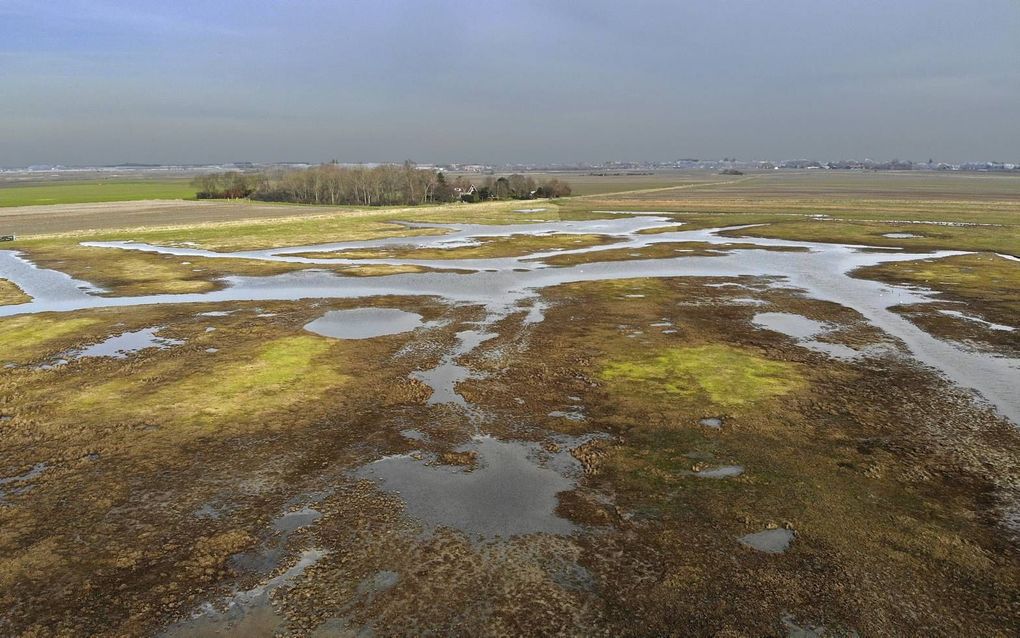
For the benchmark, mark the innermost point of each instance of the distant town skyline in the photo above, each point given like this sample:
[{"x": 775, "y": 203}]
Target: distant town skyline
[
  {"x": 687, "y": 163},
  {"x": 89, "y": 82}
]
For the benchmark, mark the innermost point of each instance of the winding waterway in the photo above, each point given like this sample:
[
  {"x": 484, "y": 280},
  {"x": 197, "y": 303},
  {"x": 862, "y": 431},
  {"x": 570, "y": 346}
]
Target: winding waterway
[{"x": 506, "y": 285}]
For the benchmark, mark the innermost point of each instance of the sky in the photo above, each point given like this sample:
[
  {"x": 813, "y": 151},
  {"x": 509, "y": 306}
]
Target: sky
[{"x": 89, "y": 82}]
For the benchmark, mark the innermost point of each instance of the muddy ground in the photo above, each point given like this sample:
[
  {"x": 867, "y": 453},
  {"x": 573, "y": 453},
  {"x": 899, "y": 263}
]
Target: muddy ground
[
  {"x": 151, "y": 491},
  {"x": 647, "y": 460}
]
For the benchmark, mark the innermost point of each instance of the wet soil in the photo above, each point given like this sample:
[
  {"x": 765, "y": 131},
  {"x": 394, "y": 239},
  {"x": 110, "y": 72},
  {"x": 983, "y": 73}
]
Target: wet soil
[{"x": 583, "y": 455}]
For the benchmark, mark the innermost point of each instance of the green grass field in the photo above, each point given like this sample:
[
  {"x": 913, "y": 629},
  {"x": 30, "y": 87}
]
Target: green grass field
[{"x": 82, "y": 192}]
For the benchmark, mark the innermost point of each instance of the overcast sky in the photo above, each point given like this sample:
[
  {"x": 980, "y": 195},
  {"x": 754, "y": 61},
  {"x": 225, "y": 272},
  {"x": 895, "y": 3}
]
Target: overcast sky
[{"x": 93, "y": 82}]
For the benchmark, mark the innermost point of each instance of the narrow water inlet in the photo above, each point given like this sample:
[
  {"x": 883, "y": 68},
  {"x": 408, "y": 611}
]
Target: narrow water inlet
[
  {"x": 804, "y": 331},
  {"x": 444, "y": 377},
  {"x": 248, "y": 612}
]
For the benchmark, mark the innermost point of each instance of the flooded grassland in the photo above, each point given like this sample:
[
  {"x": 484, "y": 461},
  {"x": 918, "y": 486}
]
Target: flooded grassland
[{"x": 492, "y": 422}]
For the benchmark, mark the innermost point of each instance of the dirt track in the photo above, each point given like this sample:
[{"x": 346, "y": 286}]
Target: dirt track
[{"x": 63, "y": 218}]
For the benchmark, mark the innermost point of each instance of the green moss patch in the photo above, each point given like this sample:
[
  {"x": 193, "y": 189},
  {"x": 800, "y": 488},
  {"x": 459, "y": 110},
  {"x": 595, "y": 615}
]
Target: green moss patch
[
  {"x": 23, "y": 337},
  {"x": 280, "y": 374},
  {"x": 727, "y": 376}
]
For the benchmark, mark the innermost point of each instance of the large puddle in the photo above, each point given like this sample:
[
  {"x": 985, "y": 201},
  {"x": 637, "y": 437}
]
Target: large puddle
[
  {"x": 789, "y": 324},
  {"x": 510, "y": 491},
  {"x": 364, "y": 323},
  {"x": 122, "y": 345},
  {"x": 804, "y": 331},
  {"x": 900, "y": 235},
  {"x": 511, "y": 284},
  {"x": 769, "y": 541}
]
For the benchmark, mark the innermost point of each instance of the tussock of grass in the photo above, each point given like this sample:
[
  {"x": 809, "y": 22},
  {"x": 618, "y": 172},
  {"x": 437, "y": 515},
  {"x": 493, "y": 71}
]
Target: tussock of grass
[
  {"x": 11, "y": 294},
  {"x": 665, "y": 250},
  {"x": 648, "y": 287},
  {"x": 513, "y": 246},
  {"x": 30, "y": 563},
  {"x": 728, "y": 376},
  {"x": 127, "y": 274},
  {"x": 381, "y": 270}
]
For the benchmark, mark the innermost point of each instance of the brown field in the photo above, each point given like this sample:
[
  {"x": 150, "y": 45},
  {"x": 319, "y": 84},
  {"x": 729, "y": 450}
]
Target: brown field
[
  {"x": 585, "y": 183},
  {"x": 139, "y": 493}
]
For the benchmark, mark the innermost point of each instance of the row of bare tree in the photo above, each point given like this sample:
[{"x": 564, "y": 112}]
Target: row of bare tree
[
  {"x": 519, "y": 186},
  {"x": 384, "y": 185}
]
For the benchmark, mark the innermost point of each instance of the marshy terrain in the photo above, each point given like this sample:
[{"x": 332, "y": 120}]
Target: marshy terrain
[{"x": 778, "y": 404}]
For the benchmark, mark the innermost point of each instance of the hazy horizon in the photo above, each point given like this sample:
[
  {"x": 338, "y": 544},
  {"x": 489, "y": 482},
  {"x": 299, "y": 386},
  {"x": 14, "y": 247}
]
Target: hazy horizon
[{"x": 91, "y": 83}]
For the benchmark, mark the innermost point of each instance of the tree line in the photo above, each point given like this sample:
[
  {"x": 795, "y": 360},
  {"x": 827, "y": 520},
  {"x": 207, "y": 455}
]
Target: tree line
[{"x": 384, "y": 185}]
